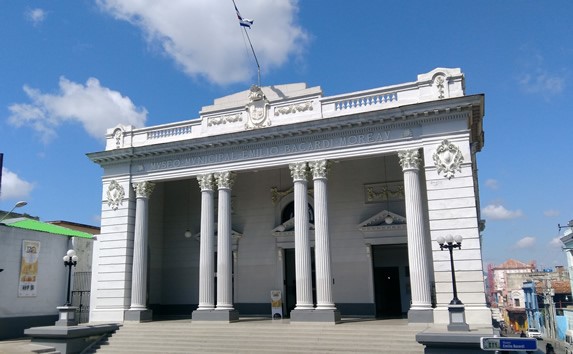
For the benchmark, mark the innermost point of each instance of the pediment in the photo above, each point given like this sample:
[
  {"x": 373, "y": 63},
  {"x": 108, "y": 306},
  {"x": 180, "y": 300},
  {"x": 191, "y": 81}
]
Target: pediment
[
  {"x": 287, "y": 228},
  {"x": 384, "y": 220}
]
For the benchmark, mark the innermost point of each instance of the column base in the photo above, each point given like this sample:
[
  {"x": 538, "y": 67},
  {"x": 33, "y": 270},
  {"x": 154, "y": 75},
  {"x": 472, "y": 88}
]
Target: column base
[
  {"x": 421, "y": 316},
  {"x": 457, "y": 318},
  {"x": 321, "y": 316},
  {"x": 215, "y": 315},
  {"x": 138, "y": 315},
  {"x": 67, "y": 316}
]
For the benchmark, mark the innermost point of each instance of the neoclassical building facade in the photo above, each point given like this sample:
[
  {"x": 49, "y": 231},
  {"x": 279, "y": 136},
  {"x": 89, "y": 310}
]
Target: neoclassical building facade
[{"x": 331, "y": 204}]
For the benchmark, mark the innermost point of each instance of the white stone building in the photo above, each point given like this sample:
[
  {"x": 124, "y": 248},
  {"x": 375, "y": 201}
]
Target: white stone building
[{"x": 334, "y": 201}]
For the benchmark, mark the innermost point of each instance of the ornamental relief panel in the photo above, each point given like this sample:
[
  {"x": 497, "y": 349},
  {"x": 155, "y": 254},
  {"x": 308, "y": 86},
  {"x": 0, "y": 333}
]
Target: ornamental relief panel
[
  {"x": 383, "y": 192},
  {"x": 115, "y": 195},
  {"x": 448, "y": 159},
  {"x": 230, "y": 118},
  {"x": 294, "y": 108},
  {"x": 118, "y": 137}
]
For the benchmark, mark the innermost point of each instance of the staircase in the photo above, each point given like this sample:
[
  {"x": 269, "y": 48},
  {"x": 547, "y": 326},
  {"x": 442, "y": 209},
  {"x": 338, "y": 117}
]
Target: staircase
[{"x": 263, "y": 336}]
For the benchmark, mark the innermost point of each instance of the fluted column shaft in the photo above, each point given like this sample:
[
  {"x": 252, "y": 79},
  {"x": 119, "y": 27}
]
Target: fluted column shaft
[
  {"x": 224, "y": 255},
  {"x": 417, "y": 257},
  {"x": 322, "y": 237},
  {"x": 206, "y": 252},
  {"x": 143, "y": 191},
  {"x": 303, "y": 270}
]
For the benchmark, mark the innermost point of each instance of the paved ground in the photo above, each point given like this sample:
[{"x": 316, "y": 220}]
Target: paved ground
[{"x": 18, "y": 346}]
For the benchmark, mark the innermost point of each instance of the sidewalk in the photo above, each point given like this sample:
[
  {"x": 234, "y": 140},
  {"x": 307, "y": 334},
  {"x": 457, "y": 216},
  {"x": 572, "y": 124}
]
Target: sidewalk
[{"x": 23, "y": 345}]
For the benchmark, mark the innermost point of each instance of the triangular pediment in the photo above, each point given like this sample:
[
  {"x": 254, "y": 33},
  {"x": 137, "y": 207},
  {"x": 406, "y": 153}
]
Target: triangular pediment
[
  {"x": 287, "y": 228},
  {"x": 384, "y": 220}
]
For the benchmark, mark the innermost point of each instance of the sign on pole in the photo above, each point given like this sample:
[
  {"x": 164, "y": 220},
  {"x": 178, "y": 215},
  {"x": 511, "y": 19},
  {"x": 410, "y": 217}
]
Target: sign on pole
[{"x": 508, "y": 344}]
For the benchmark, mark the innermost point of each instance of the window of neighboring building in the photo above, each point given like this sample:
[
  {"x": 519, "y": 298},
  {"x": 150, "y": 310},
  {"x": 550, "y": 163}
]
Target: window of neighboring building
[{"x": 516, "y": 302}]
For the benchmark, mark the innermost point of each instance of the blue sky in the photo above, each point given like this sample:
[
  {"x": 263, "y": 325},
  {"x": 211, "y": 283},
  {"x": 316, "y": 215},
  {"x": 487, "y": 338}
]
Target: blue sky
[{"x": 71, "y": 69}]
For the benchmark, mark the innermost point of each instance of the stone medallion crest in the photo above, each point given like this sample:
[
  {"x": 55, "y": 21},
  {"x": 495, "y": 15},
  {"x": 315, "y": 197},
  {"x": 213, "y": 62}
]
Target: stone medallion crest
[
  {"x": 115, "y": 195},
  {"x": 257, "y": 109},
  {"x": 118, "y": 136},
  {"x": 448, "y": 159}
]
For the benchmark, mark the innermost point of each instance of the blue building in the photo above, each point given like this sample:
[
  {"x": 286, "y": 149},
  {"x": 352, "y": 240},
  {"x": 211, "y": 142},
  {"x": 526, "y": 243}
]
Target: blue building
[{"x": 531, "y": 305}]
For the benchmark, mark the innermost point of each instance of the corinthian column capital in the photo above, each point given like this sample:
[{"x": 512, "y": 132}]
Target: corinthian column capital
[
  {"x": 319, "y": 168},
  {"x": 410, "y": 159},
  {"x": 206, "y": 182},
  {"x": 298, "y": 171},
  {"x": 225, "y": 179},
  {"x": 143, "y": 189}
]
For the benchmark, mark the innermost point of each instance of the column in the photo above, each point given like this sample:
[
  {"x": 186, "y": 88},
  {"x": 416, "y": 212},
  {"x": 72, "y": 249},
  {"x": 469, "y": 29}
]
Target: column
[
  {"x": 206, "y": 251},
  {"x": 303, "y": 270},
  {"x": 421, "y": 308},
  {"x": 138, "y": 310},
  {"x": 324, "y": 279},
  {"x": 224, "y": 247}
]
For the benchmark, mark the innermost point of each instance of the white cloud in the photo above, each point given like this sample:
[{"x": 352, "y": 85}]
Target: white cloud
[
  {"x": 551, "y": 213},
  {"x": 13, "y": 187},
  {"x": 96, "y": 107},
  {"x": 492, "y": 183},
  {"x": 526, "y": 242},
  {"x": 542, "y": 82},
  {"x": 556, "y": 242},
  {"x": 36, "y": 16},
  {"x": 499, "y": 212},
  {"x": 204, "y": 37}
]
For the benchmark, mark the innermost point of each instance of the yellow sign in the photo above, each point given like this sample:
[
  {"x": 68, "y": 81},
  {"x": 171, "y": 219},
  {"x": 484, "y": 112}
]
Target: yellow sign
[{"x": 29, "y": 269}]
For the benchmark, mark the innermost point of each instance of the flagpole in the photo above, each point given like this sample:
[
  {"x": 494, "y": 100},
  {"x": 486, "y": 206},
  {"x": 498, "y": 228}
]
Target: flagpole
[
  {"x": 247, "y": 23},
  {"x": 254, "y": 55}
]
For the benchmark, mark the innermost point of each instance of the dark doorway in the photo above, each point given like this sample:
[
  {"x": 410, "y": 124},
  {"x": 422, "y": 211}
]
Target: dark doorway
[
  {"x": 387, "y": 292},
  {"x": 290, "y": 279}
]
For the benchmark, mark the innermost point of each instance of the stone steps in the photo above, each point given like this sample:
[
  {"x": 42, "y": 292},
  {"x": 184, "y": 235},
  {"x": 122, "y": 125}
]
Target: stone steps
[{"x": 263, "y": 336}]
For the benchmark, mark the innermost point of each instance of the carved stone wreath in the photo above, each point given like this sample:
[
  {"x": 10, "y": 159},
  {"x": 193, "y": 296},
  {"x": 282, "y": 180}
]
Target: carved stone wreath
[
  {"x": 448, "y": 159},
  {"x": 115, "y": 195}
]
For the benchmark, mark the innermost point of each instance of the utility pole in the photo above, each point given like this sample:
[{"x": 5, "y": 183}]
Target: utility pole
[{"x": 549, "y": 308}]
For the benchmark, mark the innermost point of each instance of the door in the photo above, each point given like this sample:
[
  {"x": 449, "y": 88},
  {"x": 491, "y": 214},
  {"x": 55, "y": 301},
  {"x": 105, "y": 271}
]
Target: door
[
  {"x": 290, "y": 279},
  {"x": 387, "y": 292}
]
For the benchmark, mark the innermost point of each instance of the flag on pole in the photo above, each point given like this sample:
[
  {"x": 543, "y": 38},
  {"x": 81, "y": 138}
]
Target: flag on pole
[{"x": 245, "y": 22}]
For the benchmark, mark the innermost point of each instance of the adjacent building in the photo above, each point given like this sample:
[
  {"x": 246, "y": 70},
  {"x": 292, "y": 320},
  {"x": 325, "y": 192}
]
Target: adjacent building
[
  {"x": 33, "y": 277},
  {"x": 331, "y": 205}
]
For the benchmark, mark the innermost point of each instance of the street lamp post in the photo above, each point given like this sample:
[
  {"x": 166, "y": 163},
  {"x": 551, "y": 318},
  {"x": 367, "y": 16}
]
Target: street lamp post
[
  {"x": 17, "y": 205},
  {"x": 456, "y": 308},
  {"x": 70, "y": 260},
  {"x": 68, "y": 312}
]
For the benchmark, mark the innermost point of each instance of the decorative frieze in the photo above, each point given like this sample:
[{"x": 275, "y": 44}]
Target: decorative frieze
[
  {"x": 225, "y": 179},
  {"x": 448, "y": 159},
  {"x": 115, "y": 195},
  {"x": 277, "y": 195},
  {"x": 298, "y": 171},
  {"x": 230, "y": 118},
  {"x": 143, "y": 189},
  {"x": 383, "y": 192},
  {"x": 409, "y": 159},
  {"x": 294, "y": 108}
]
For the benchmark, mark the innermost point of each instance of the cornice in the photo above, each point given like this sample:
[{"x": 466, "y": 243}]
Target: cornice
[{"x": 465, "y": 107}]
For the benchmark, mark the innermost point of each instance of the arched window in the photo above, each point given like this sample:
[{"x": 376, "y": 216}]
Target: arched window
[{"x": 288, "y": 213}]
